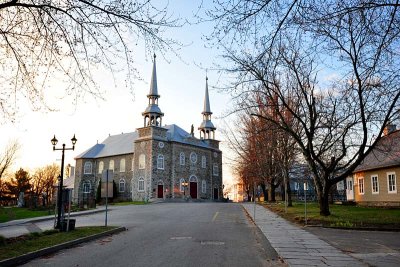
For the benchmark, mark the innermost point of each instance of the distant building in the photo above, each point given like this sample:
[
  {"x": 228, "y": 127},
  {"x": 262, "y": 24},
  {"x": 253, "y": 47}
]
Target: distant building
[
  {"x": 238, "y": 192},
  {"x": 374, "y": 181},
  {"x": 156, "y": 161}
]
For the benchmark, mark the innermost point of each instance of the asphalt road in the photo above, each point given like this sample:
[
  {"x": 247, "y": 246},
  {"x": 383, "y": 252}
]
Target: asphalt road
[
  {"x": 376, "y": 248},
  {"x": 171, "y": 234}
]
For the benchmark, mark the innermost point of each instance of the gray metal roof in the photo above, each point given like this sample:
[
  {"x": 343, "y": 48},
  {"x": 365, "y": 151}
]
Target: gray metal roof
[
  {"x": 206, "y": 109},
  {"x": 153, "y": 83},
  {"x": 385, "y": 154},
  {"x": 207, "y": 124},
  {"x": 124, "y": 143}
]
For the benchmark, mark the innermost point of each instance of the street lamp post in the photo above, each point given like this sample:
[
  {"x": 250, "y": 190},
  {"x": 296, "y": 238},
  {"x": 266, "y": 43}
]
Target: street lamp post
[
  {"x": 54, "y": 142},
  {"x": 184, "y": 184}
]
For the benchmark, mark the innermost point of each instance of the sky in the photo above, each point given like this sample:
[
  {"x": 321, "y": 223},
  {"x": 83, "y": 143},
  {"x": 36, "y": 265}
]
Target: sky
[{"x": 181, "y": 84}]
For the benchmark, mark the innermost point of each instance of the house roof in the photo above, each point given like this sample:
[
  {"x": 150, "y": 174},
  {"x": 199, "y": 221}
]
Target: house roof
[
  {"x": 124, "y": 143},
  {"x": 385, "y": 154}
]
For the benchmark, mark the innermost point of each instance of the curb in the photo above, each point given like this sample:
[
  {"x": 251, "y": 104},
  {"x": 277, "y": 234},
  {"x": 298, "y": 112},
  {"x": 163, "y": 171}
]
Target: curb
[
  {"x": 39, "y": 253},
  {"x": 47, "y": 218}
]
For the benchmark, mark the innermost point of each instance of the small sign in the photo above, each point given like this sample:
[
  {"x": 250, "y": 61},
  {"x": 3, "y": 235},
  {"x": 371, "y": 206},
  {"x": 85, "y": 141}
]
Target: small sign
[
  {"x": 110, "y": 177},
  {"x": 107, "y": 175}
]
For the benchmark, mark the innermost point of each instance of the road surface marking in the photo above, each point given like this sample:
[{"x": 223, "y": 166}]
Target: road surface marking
[
  {"x": 180, "y": 237},
  {"x": 218, "y": 243},
  {"x": 215, "y": 216}
]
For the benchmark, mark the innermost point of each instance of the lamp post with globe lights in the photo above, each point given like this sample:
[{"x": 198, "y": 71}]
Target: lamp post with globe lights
[{"x": 54, "y": 142}]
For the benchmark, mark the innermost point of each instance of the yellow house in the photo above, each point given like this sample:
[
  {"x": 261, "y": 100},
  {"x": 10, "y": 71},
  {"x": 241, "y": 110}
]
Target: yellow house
[{"x": 374, "y": 181}]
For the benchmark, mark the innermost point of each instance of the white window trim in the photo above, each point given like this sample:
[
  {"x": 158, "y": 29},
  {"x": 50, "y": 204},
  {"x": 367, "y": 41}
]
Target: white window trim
[
  {"x": 89, "y": 187},
  {"x": 193, "y": 158},
  {"x": 85, "y": 171},
  {"x": 377, "y": 184},
  {"x": 159, "y": 157},
  {"x": 203, "y": 162},
  {"x": 359, "y": 187},
  {"x": 215, "y": 167},
  {"x": 113, "y": 165},
  {"x": 141, "y": 179},
  {"x": 395, "y": 182},
  {"x": 121, "y": 181},
  {"x": 203, "y": 186},
  {"x": 122, "y": 165},
  {"x": 142, "y": 166},
  {"x": 182, "y": 159},
  {"x": 101, "y": 164}
]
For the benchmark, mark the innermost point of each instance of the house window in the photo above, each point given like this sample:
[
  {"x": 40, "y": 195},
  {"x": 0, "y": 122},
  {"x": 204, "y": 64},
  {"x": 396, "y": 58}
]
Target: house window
[
  {"x": 160, "y": 162},
  {"x": 182, "y": 159},
  {"x": 122, "y": 185},
  {"x": 375, "y": 184},
  {"x": 193, "y": 157},
  {"x": 141, "y": 184},
  {"x": 203, "y": 162},
  {"x": 392, "y": 182},
  {"x": 361, "y": 186},
  {"x": 181, "y": 186},
  {"x": 350, "y": 185},
  {"x": 87, "y": 168},
  {"x": 122, "y": 165},
  {"x": 296, "y": 186},
  {"x": 101, "y": 166},
  {"x": 142, "y": 161},
  {"x": 215, "y": 169},
  {"x": 203, "y": 186},
  {"x": 111, "y": 165},
  {"x": 86, "y": 187}
]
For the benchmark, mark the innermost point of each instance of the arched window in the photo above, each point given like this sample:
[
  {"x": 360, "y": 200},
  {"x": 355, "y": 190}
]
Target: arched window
[
  {"x": 101, "y": 166},
  {"x": 111, "y": 165},
  {"x": 215, "y": 169},
  {"x": 86, "y": 187},
  {"x": 142, "y": 161},
  {"x": 181, "y": 185},
  {"x": 122, "y": 185},
  {"x": 182, "y": 158},
  {"x": 193, "y": 179},
  {"x": 141, "y": 184},
  {"x": 193, "y": 157},
  {"x": 203, "y": 186},
  {"x": 160, "y": 162},
  {"x": 122, "y": 165},
  {"x": 87, "y": 168},
  {"x": 203, "y": 162}
]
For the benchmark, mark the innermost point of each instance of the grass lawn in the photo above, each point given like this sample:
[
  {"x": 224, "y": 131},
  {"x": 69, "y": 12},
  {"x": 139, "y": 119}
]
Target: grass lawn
[
  {"x": 341, "y": 215},
  {"x": 14, "y": 247},
  {"x": 14, "y": 213}
]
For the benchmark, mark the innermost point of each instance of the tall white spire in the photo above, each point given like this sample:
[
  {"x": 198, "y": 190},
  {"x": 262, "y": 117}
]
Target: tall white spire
[
  {"x": 207, "y": 127},
  {"x": 153, "y": 115},
  {"x": 153, "y": 83}
]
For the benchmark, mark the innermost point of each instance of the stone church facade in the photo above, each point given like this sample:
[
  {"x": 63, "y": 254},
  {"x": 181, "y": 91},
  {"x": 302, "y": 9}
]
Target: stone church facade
[{"x": 156, "y": 161}]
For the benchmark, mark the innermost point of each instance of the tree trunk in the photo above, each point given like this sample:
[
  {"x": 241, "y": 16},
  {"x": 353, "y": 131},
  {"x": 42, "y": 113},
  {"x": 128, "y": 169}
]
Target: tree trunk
[
  {"x": 289, "y": 194},
  {"x": 272, "y": 192},
  {"x": 265, "y": 192},
  {"x": 323, "y": 199}
]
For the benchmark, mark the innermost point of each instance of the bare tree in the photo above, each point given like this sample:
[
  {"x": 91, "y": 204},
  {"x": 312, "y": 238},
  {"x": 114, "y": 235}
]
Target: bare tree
[
  {"x": 333, "y": 66},
  {"x": 7, "y": 159},
  {"x": 43, "y": 181},
  {"x": 48, "y": 43}
]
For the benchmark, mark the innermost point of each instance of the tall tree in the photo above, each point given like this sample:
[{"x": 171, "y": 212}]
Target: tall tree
[
  {"x": 20, "y": 182},
  {"x": 7, "y": 159},
  {"x": 43, "y": 181},
  {"x": 43, "y": 42},
  {"x": 337, "y": 61}
]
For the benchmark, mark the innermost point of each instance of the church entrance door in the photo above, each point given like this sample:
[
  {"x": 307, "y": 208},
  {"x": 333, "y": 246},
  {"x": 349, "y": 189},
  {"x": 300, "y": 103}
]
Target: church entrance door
[
  {"x": 215, "y": 193},
  {"x": 160, "y": 191},
  {"x": 193, "y": 190}
]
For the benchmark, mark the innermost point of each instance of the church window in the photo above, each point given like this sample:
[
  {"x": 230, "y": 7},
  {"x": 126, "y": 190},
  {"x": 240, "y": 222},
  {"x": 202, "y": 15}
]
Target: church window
[
  {"x": 142, "y": 161},
  {"x": 215, "y": 169},
  {"x": 122, "y": 185},
  {"x": 86, "y": 187},
  {"x": 203, "y": 186},
  {"x": 181, "y": 185},
  {"x": 141, "y": 184},
  {"x": 160, "y": 162},
  {"x": 182, "y": 159},
  {"x": 122, "y": 165},
  {"x": 203, "y": 162},
  {"x": 111, "y": 165},
  {"x": 87, "y": 169},
  {"x": 193, "y": 157},
  {"x": 101, "y": 166}
]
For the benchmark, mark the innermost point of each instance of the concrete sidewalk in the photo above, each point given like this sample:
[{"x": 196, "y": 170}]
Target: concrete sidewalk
[
  {"x": 295, "y": 245},
  {"x": 25, "y": 226}
]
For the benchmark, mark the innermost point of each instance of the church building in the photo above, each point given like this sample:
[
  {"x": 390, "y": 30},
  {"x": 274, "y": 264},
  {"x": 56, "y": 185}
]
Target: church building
[{"x": 156, "y": 161}]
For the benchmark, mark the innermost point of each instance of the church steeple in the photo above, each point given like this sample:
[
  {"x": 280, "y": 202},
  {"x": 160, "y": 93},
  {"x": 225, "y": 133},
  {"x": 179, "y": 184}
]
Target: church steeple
[
  {"x": 207, "y": 127},
  {"x": 152, "y": 114}
]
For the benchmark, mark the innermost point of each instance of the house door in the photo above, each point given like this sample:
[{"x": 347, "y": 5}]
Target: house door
[
  {"x": 349, "y": 189},
  {"x": 215, "y": 193},
  {"x": 193, "y": 190},
  {"x": 160, "y": 191}
]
